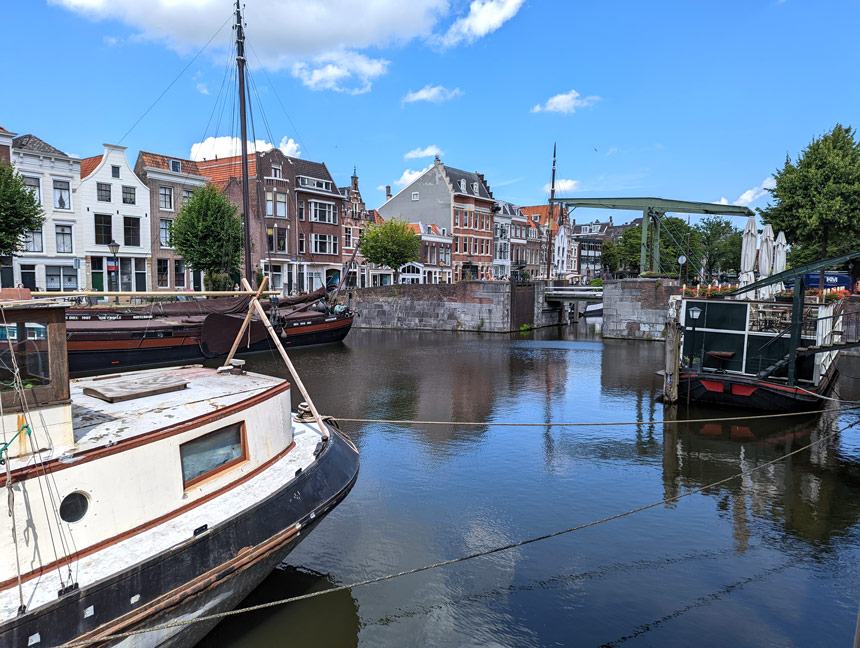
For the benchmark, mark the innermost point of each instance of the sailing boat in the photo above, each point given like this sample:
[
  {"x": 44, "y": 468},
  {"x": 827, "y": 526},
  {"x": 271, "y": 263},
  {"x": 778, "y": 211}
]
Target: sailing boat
[{"x": 140, "y": 502}]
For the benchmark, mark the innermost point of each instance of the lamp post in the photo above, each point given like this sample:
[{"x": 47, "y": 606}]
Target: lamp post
[
  {"x": 113, "y": 246},
  {"x": 694, "y": 313}
]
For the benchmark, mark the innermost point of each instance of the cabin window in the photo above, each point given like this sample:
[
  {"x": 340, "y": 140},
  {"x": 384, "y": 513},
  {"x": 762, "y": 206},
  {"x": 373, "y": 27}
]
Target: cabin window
[
  {"x": 212, "y": 453},
  {"x": 74, "y": 507},
  {"x": 29, "y": 342}
]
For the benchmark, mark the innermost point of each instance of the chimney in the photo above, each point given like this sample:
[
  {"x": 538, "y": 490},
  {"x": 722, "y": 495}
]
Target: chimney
[{"x": 388, "y": 192}]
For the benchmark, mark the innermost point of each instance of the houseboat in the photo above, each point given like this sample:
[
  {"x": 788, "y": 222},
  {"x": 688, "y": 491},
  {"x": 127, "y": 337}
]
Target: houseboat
[{"x": 137, "y": 500}]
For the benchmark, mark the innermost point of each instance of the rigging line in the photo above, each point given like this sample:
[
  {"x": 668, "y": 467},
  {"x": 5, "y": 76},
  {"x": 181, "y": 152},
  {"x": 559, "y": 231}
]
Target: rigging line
[
  {"x": 681, "y": 249},
  {"x": 278, "y": 97},
  {"x": 453, "y": 561},
  {"x": 603, "y": 423},
  {"x": 10, "y": 502},
  {"x": 253, "y": 86},
  {"x": 164, "y": 92},
  {"x": 19, "y": 388}
]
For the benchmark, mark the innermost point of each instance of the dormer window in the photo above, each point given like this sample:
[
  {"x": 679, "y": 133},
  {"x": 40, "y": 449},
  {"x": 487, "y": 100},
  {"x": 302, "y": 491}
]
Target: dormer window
[
  {"x": 475, "y": 188},
  {"x": 463, "y": 186},
  {"x": 536, "y": 218},
  {"x": 176, "y": 166},
  {"x": 444, "y": 231}
]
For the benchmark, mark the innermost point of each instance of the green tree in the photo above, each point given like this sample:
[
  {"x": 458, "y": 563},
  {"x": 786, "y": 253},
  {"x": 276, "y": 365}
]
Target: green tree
[
  {"x": 720, "y": 244},
  {"x": 20, "y": 210},
  {"x": 609, "y": 256},
  {"x": 207, "y": 233},
  {"x": 673, "y": 243},
  {"x": 628, "y": 248},
  {"x": 391, "y": 244},
  {"x": 816, "y": 200}
]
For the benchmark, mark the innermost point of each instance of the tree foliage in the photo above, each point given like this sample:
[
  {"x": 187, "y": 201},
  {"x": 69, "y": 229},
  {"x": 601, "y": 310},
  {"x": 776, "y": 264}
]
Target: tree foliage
[
  {"x": 609, "y": 256},
  {"x": 20, "y": 210},
  {"x": 721, "y": 245},
  {"x": 208, "y": 233},
  {"x": 816, "y": 200},
  {"x": 391, "y": 244},
  {"x": 673, "y": 243}
]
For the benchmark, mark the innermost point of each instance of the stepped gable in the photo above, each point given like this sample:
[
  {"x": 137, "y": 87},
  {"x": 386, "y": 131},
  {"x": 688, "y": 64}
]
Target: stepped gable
[
  {"x": 220, "y": 170},
  {"x": 158, "y": 161},
  {"x": 88, "y": 165},
  {"x": 33, "y": 143}
]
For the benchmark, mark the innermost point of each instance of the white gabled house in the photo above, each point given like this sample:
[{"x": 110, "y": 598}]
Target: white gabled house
[
  {"x": 52, "y": 258},
  {"x": 114, "y": 205}
]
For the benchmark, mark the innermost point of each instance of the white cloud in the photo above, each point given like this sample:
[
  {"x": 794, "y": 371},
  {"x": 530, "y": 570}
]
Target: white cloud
[
  {"x": 202, "y": 89},
  {"x": 227, "y": 146},
  {"x": 751, "y": 195},
  {"x": 484, "y": 17},
  {"x": 723, "y": 201},
  {"x": 429, "y": 151},
  {"x": 563, "y": 186},
  {"x": 433, "y": 94},
  {"x": 111, "y": 41},
  {"x": 336, "y": 71},
  {"x": 566, "y": 103},
  {"x": 409, "y": 176}
]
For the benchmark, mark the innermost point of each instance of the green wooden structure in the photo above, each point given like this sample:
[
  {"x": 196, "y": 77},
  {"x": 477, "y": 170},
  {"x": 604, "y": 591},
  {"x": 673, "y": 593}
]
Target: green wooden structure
[{"x": 653, "y": 209}]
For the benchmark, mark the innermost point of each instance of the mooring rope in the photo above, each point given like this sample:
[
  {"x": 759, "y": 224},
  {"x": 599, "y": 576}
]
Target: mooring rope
[
  {"x": 452, "y": 561},
  {"x": 600, "y": 423}
]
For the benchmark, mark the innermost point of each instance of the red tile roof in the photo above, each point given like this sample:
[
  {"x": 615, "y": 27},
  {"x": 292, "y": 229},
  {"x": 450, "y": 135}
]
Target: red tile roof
[
  {"x": 223, "y": 169},
  {"x": 3, "y": 129},
  {"x": 158, "y": 161},
  {"x": 543, "y": 213},
  {"x": 88, "y": 165}
]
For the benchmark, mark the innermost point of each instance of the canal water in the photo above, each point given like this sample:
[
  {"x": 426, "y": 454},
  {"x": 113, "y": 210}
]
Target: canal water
[{"x": 770, "y": 559}]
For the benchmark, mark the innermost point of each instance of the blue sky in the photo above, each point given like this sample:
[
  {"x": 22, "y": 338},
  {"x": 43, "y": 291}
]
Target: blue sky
[{"x": 686, "y": 100}]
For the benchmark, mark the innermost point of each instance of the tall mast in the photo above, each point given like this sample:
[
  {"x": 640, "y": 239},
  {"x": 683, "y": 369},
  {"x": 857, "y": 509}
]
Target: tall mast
[
  {"x": 551, "y": 212},
  {"x": 246, "y": 200}
]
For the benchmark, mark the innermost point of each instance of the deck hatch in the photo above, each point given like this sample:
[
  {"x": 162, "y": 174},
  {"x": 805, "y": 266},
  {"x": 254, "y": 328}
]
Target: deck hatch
[{"x": 117, "y": 391}]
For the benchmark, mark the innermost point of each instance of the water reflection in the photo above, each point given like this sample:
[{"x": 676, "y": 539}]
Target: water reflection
[{"x": 746, "y": 563}]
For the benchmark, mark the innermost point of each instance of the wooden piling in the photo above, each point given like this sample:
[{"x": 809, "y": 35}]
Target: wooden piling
[{"x": 673, "y": 353}]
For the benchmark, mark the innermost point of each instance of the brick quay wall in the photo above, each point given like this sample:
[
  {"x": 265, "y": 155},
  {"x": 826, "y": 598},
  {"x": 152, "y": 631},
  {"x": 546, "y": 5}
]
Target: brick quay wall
[{"x": 462, "y": 306}]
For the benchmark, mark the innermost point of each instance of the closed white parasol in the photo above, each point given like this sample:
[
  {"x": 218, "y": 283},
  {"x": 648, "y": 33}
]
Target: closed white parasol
[
  {"x": 779, "y": 254},
  {"x": 748, "y": 252},
  {"x": 765, "y": 261}
]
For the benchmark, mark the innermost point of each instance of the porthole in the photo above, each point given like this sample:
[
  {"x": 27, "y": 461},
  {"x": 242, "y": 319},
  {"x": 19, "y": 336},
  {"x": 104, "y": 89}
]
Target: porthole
[{"x": 74, "y": 507}]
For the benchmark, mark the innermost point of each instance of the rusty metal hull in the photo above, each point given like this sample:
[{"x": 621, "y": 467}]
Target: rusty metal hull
[{"x": 210, "y": 573}]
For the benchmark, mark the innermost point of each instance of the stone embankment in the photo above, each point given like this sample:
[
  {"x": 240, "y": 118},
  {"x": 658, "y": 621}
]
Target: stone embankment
[
  {"x": 637, "y": 308},
  {"x": 463, "y": 306}
]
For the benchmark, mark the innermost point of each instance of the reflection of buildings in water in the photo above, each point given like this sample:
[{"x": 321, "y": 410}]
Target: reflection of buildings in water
[
  {"x": 811, "y": 495},
  {"x": 329, "y": 620},
  {"x": 625, "y": 367}
]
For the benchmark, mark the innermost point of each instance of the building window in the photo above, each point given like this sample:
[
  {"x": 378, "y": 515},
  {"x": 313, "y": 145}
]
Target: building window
[
  {"x": 179, "y": 273},
  {"x": 324, "y": 243},
  {"x": 281, "y": 205},
  {"x": 186, "y": 195},
  {"x": 323, "y": 212},
  {"x": 276, "y": 171},
  {"x": 270, "y": 204},
  {"x": 61, "y": 278},
  {"x": 33, "y": 185},
  {"x": 64, "y": 239},
  {"x": 104, "y": 235},
  {"x": 103, "y": 191},
  {"x": 114, "y": 172},
  {"x": 131, "y": 229},
  {"x": 475, "y": 188},
  {"x": 176, "y": 166},
  {"x": 28, "y": 276},
  {"x": 301, "y": 243},
  {"x": 281, "y": 239},
  {"x": 301, "y": 210},
  {"x": 164, "y": 232},
  {"x": 33, "y": 241},
  {"x": 128, "y": 195},
  {"x": 314, "y": 183},
  {"x": 212, "y": 453},
  {"x": 347, "y": 237},
  {"x": 61, "y": 194},
  {"x": 414, "y": 195},
  {"x": 270, "y": 239},
  {"x": 276, "y": 277},
  {"x": 163, "y": 273},
  {"x": 165, "y": 198}
]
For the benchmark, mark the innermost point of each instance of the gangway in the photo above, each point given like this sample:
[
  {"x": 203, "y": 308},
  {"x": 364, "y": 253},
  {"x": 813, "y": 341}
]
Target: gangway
[{"x": 591, "y": 294}]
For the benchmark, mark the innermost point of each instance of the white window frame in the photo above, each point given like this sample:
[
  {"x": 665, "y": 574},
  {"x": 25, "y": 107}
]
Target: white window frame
[
  {"x": 68, "y": 181},
  {"x": 71, "y": 238},
  {"x": 329, "y": 240},
  {"x": 414, "y": 195},
  {"x": 172, "y": 202},
  {"x": 37, "y": 189},
  {"x": 331, "y": 209},
  {"x": 178, "y": 163},
  {"x": 161, "y": 241}
]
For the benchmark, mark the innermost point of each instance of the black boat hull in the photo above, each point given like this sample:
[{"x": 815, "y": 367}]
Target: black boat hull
[
  {"x": 209, "y": 574},
  {"x": 732, "y": 390}
]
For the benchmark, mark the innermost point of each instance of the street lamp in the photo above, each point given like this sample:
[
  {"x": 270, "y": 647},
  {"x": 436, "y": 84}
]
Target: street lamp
[
  {"x": 694, "y": 313},
  {"x": 113, "y": 246}
]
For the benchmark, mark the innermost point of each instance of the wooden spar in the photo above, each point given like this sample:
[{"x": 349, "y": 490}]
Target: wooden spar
[
  {"x": 247, "y": 320},
  {"x": 246, "y": 199},
  {"x": 262, "y": 314},
  {"x": 549, "y": 222}
]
